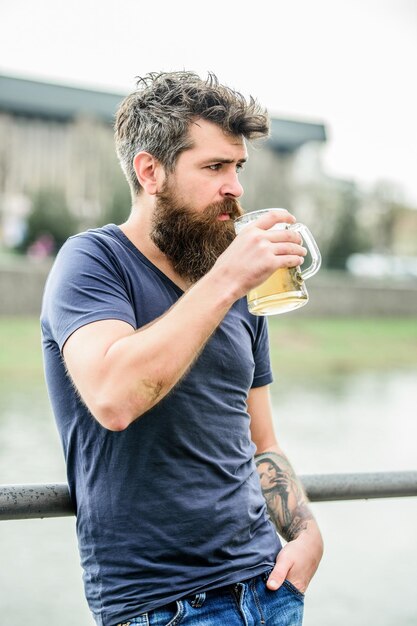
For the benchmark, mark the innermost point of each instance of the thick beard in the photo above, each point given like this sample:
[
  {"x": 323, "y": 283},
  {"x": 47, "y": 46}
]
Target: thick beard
[{"x": 192, "y": 241}]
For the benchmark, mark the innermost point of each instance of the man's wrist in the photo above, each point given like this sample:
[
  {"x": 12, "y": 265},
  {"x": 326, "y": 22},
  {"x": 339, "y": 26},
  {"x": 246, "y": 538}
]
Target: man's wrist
[
  {"x": 312, "y": 536},
  {"x": 223, "y": 288}
]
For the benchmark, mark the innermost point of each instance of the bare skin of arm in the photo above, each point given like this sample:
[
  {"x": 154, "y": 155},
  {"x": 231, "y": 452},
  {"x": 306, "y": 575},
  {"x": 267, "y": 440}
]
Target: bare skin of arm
[
  {"x": 286, "y": 500},
  {"x": 121, "y": 373}
]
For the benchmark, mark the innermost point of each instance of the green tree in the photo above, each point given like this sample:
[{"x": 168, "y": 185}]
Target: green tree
[
  {"x": 50, "y": 220},
  {"x": 346, "y": 237}
]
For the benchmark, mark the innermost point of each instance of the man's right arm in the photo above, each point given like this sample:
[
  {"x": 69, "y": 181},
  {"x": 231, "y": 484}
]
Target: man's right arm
[{"x": 121, "y": 373}]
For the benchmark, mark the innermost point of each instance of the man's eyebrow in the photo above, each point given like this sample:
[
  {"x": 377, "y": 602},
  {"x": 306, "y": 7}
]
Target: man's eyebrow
[{"x": 223, "y": 160}]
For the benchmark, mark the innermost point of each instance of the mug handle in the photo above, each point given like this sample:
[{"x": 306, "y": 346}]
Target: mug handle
[{"x": 309, "y": 241}]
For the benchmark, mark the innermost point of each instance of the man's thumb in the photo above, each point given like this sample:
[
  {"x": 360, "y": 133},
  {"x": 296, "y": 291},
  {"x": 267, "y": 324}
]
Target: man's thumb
[{"x": 279, "y": 573}]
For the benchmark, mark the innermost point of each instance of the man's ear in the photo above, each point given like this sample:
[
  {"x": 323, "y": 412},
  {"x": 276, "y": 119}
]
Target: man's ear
[{"x": 149, "y": 171}]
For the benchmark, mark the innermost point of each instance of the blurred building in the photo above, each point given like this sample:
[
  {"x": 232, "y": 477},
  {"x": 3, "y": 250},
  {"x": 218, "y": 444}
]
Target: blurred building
[
  {"x": 55, "y": 137},
  {"x": 60, "y": 137}
]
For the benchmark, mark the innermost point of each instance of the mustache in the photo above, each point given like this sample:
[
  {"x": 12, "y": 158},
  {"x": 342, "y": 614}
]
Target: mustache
[{"x": 228, "y": 206}]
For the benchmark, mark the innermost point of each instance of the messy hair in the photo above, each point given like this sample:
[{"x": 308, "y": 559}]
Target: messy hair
[{"x": 156, "y": 117}]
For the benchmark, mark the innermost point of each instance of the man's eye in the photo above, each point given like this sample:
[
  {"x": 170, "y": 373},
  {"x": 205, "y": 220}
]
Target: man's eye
[
  {"x": 215, "y": 166},
  {"x": 240, "y": 167}
]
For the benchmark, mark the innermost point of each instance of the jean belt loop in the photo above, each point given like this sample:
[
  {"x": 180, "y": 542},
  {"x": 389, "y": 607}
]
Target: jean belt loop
[
  {"x": 198, "y": 600},
  {"x": 239, "y": 589}
]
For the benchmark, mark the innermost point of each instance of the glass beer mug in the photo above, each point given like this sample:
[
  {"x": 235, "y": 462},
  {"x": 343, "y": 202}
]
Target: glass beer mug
[{"x": 285, "y": 289}]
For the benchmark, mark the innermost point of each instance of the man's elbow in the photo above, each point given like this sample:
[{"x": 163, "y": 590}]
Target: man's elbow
[
  {"x": 114, "y": 418},
  {"x": 117, "y": 413}
]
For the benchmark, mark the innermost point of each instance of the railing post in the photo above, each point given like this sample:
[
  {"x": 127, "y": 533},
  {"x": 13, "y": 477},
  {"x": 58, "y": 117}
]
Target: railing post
[
  {"x": 364, "y": 485},
  {"x": 35, "y": 501},
  {"x": 53, "y": 500}
]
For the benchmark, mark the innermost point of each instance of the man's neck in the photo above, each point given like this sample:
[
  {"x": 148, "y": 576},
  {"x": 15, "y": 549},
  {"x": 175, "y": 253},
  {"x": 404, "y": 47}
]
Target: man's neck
[{"x": 137, "y": 229}]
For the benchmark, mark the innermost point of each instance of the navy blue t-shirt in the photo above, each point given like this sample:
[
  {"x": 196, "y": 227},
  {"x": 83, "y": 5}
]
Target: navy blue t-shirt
[{"x": 172, "y": 505}]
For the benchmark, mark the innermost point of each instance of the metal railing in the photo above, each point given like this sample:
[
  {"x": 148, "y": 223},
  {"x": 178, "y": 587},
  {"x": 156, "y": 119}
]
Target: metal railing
[{"x": 53, "y": 500}]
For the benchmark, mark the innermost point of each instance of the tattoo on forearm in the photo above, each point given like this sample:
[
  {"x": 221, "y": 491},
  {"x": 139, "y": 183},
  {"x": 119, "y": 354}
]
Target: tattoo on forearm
[{"x": 284, "y": 495}]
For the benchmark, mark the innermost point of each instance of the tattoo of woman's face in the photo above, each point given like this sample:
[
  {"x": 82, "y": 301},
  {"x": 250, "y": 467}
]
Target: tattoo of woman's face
[{"x": 270, "y": 474}]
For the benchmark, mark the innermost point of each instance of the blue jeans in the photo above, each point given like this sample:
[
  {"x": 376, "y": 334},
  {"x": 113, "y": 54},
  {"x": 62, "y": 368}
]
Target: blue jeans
[{"x": 248, "y": 603}]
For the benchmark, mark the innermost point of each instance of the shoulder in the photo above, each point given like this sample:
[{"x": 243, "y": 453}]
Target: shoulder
[
  {"x": 86, "y": 283},
  {"x": 104, "y": 238},
  {"x": 97, "y": 247}
]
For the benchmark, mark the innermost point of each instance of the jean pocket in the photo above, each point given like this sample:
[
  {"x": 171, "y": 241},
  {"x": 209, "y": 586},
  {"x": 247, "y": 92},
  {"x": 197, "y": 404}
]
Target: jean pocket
[
  {"x": 266, "y": 574},
  {"x": 288, "y": 585},
  {"x": 169, "y": 615}
]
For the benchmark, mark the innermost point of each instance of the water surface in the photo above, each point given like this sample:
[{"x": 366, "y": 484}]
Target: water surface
[{"x": 365, "y": 422}]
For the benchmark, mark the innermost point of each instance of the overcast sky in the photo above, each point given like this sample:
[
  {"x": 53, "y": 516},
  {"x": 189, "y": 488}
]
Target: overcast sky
[{"x": 350, "y": 64}]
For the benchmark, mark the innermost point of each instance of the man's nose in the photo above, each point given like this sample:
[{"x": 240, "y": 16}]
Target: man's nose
[{"x": 232, "y": 187}]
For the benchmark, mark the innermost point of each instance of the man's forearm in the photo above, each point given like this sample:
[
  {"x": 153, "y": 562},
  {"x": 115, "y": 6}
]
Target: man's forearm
[
  {"x": 289, "y": 511},
  {"x": 142, "y": 367},
  {"x": 285, "y": 497}
]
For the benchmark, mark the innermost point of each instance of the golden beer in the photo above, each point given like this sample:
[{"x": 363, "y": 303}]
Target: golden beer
[{"x": 283, "y": 291}]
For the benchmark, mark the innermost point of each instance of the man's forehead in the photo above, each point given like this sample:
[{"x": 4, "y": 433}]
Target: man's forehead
[{"x": 204, "y": 133}]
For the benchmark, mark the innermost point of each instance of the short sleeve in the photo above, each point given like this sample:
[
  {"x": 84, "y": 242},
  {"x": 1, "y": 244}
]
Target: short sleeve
[
  {"x": 85, "y": 285},
  {"x": 263, "y": 371}
]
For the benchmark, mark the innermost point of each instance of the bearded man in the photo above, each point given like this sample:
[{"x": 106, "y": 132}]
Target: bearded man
[{"x": 158, "y": 377}]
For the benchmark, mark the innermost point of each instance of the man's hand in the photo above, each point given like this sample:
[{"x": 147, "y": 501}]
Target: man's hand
[
  {"x": 297, "y": 561},
  {"x": 257, "y": 251}
]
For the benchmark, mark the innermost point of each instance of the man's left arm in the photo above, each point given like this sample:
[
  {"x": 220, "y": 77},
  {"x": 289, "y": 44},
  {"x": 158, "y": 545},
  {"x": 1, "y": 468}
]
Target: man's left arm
[{"x": 286, "y": 500}]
